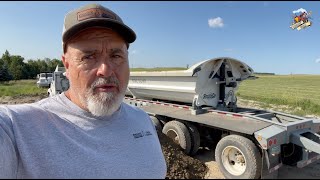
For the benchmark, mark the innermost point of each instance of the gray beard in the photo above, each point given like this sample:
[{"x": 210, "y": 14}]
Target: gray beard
[{"x": 103, "y": 103}]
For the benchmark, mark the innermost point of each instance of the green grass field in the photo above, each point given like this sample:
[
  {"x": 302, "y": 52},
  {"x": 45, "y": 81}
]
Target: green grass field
[
  {"x": 300, "y": 91},
  {"x": 21, "y": 87},
  {"x": 158, "y": 69}
]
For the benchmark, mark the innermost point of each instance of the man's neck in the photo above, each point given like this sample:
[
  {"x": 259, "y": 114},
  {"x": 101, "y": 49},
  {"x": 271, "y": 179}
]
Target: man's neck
[{"x": 73, "y": 98}]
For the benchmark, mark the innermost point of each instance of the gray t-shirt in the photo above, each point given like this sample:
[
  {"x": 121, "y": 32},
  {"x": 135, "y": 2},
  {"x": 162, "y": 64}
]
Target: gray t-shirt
[{"x": 54, "y": 138}]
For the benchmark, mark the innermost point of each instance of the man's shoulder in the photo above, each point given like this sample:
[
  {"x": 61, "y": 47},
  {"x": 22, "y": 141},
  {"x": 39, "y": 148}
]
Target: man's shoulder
[
  {"x": 11, "y": 109},
  {"x": 11, "y": 113},
  {"x": 18, "y": 109},
  {"x": 49, "y": 102},
  {"x": 137, "y": 116},
  {"x": 133, "y": 109}
]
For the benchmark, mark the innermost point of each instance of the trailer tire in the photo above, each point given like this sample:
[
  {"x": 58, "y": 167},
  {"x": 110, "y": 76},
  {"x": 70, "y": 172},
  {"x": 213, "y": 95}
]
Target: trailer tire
[
  {"x": 238, "y": 158},
  {"x": 179, "y": 133},
  {"x": 156, "y": 123},
  {"x": 195, "y": 138}
]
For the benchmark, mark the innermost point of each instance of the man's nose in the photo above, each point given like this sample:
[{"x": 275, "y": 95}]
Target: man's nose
[{"x": 105, "y": 69}]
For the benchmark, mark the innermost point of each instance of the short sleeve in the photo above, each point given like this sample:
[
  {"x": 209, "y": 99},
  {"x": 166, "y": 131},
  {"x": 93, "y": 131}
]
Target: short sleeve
[{"x": 8, "y": 156}]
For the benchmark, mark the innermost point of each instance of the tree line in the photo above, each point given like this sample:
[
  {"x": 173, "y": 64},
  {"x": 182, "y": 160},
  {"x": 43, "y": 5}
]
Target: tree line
[{"x": 13, "y": 67}]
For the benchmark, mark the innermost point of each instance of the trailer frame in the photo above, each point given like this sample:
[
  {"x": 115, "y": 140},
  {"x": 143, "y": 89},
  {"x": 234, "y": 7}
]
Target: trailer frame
[{"x": 272, "y": 132}]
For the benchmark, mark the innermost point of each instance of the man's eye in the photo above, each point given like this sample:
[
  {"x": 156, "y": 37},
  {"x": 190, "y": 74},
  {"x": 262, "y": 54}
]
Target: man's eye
[
  {"x": 88, "y": 57},
  {"x": 116, "y": 56}
]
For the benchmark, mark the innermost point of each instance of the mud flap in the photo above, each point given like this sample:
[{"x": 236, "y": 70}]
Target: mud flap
[{"x": 270, "y": 165}]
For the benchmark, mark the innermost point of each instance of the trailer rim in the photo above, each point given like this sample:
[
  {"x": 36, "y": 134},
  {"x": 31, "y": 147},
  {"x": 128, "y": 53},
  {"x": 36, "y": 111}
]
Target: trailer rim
[
  {"x": 172, "y": 134},
  {"x": 179, "y": 133},
  {"x": 233, "y": 160}
]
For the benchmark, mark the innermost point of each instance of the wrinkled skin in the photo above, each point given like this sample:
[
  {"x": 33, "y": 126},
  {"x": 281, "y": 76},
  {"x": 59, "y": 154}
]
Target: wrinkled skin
[{"x": 96, "y": 62}]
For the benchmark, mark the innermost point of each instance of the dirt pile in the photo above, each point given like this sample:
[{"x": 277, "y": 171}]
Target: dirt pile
[
  {"x": 179, "y": 165},
  {"x": 21, "y": 99}
]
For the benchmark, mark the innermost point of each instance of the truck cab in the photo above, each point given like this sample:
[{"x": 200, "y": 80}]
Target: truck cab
[{"x": 44, "y": 79}]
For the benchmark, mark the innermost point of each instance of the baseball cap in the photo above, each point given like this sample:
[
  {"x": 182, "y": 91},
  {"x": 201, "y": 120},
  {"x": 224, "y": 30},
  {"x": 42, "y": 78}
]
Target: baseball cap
[{"x": 94, "y": 15}]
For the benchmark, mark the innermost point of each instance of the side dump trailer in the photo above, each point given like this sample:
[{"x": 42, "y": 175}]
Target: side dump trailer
[
  {"x": 201, "y": 80},
  {"x": 198, "y": 108}
]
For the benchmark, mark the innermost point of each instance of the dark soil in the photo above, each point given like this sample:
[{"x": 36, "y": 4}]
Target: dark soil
[
  {"x": 21, "y": 99},
  {"x": 179, "y": 165}
]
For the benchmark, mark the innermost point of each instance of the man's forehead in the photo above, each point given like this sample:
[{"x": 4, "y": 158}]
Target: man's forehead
[
  {"x": 97, "y": 34},
  {"x": 90, "y": 46}
]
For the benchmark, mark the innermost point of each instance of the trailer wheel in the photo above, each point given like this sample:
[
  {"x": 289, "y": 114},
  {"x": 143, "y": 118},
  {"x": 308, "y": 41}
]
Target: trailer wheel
[
  {"x": 238, "y": 157},
  {"x": 156, "y": 123},
  {"x": 179, "y": 133},
  {"x": 195, "y": 138}
]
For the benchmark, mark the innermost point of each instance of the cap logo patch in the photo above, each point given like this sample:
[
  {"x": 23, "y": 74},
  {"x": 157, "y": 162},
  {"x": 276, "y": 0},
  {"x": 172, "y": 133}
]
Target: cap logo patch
[{"x": 94, "y": 13}]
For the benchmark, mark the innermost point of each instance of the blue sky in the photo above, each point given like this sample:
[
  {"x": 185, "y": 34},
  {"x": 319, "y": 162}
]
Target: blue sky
[{"x": 178, "y": 33}]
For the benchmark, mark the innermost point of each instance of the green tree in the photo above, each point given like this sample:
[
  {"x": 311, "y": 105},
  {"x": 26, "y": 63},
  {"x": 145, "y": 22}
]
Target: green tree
[
  {"x": 43, "y": 66},
  {"x": 33, "y": 68},
  {"x": 4, "y": 74},
  {"x": 6, "y": 58},
  {"x": 1, "y": 63},
  {"x": 16, "y": 67},
  {"x": 53, "y": 64}
]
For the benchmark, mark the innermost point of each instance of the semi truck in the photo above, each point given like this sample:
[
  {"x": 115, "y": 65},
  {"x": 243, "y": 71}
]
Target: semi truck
[
  {"x": 197, "y": 108},
  {"x": 59, "y": 83}
]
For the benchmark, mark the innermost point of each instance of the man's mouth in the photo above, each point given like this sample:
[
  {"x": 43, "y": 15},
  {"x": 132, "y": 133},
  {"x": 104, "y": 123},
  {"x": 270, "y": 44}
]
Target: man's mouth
[{"x": 106, "y": 88}]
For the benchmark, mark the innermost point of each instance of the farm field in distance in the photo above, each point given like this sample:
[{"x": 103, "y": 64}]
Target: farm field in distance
[
  {"x": 298, "y": 93},
  {"x": 295, "y": 94}
]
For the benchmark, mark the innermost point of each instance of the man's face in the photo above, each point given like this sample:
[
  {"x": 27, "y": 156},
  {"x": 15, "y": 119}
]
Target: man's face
[{"x": 97, "y": 67}]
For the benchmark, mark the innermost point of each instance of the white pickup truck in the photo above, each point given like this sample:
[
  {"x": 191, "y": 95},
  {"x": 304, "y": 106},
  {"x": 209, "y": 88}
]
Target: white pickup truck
[{"x": 44, "y": 79}]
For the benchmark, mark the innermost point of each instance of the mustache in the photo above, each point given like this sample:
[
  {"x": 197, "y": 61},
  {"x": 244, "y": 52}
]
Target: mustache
[{"x": 104, "y": 81}]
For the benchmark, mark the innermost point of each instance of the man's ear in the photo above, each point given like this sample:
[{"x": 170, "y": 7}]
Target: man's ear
[{"x": 66, "y": 64}]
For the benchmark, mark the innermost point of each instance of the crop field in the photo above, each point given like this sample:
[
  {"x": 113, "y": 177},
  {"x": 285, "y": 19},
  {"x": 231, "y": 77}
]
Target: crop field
[{"x": 300, "y": 92}]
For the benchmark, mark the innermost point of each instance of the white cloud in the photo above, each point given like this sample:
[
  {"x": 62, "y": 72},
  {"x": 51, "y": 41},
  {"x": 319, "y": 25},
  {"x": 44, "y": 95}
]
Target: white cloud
[
  {"x": 299, "y": 10},
  {"x": 216, "y": 22},
  {"x": 318, "y": 60}
]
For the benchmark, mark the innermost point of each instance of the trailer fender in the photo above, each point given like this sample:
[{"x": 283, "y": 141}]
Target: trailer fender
[{"x": 271, "y": 138}]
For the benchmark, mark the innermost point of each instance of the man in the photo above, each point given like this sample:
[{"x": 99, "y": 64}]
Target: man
[{"x": 86, "y": 132}]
